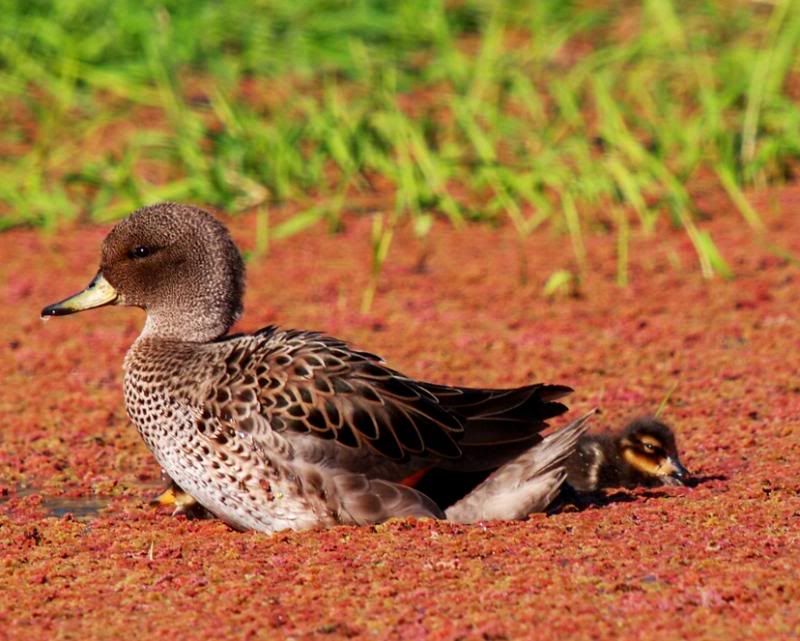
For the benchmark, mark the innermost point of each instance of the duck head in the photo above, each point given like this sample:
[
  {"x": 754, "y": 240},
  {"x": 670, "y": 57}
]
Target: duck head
[
  {"x": 176, "y": 262},
  {"x": 648, "y": 447}
]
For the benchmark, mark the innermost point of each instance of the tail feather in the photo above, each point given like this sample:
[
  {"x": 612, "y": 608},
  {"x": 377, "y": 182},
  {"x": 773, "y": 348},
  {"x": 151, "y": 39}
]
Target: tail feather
[
  {"x": 527, "y": 484},
  {"x": 498, "y": 423},
  {"x": 473, "y": 402}
]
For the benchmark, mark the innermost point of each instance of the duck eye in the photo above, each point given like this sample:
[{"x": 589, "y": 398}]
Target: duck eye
[
  {"x": 141, "y": 251},
  {"x": 649, "y": 447}
]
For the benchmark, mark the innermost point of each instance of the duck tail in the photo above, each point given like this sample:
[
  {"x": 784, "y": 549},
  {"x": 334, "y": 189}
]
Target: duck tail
[{"x": 499, "y": 424}]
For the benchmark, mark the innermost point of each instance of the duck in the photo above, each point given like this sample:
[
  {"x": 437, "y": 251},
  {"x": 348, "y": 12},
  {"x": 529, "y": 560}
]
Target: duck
[
  {"x": 285, "y": 429},
  {"x": 644, "y": 453}
]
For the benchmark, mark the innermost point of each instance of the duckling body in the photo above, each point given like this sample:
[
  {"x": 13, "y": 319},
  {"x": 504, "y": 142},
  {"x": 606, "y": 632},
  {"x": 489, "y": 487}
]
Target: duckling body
[
  {"x": 643, "y": 454},
  {"x": 288, "y": 429}
]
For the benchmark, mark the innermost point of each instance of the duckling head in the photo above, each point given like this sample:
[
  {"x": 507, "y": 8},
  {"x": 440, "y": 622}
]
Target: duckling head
[
  {"x": 648, "y": 447},
  {"x": 176, "y": 262}
]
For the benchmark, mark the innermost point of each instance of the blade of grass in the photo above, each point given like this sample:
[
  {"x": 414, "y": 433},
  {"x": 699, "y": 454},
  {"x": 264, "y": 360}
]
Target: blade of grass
[
  {"x": 760, "y": 81},
  {"x": 663, "y": 404},
  {"x": 560, "y": 281},
  {"x": 747, "y": 211},
  {"x": 623, "y": 246},
  {"x": 381, "y": 240},
  {"x": 574, "y": 227}
]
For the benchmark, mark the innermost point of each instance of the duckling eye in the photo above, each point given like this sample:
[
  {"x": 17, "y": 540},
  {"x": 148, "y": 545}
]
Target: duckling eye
[
  {"x": 649, "y": 447},
  {"x": 141, "y": 251}
]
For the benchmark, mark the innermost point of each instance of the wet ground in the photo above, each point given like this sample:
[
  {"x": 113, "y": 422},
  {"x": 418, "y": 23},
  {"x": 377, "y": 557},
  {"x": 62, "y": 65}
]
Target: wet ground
[{"x": 82, "y": 555}]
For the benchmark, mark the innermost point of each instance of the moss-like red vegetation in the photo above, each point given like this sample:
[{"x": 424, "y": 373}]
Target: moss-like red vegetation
[{"x": 716, "y": 561}]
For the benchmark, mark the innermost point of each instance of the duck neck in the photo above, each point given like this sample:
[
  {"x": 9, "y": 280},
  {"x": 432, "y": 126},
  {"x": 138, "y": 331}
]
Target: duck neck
[
  {"x": 196, "y": 323},
  {"x": 201, "y": 307}
]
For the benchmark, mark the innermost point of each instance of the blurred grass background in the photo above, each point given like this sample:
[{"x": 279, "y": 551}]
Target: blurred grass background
[{"x": 578, "y": 115}]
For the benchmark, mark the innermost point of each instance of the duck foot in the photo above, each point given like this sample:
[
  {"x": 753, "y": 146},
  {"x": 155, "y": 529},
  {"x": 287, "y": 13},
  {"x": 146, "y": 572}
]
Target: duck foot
[{"x": 181, "y": 502}]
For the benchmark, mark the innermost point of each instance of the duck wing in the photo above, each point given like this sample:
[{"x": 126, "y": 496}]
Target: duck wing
[{"x": 308, "y": 383}]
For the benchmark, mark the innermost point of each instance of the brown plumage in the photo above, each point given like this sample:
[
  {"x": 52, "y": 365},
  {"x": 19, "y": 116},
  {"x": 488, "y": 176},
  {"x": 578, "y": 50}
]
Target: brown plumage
[
  {"x": 294, "y": 429},
  {"x": 643, "y": 454}
]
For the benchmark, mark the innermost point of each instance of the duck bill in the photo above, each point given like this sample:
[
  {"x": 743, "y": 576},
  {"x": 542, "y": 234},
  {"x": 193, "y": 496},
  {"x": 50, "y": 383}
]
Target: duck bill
[
  {"x": 98, "y": 293},
  {"x": 673, "y": 472}
]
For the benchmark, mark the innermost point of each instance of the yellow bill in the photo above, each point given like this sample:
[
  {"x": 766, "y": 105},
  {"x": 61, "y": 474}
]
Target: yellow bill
[{"x": 98, "y": 293}]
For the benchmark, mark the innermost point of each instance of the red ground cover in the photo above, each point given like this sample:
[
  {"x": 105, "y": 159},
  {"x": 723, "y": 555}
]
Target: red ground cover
[{"x": 718, "y": 561}]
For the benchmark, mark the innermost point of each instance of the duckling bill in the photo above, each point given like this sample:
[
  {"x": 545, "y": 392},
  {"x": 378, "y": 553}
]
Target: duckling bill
[{"x": 291, "y": 429}]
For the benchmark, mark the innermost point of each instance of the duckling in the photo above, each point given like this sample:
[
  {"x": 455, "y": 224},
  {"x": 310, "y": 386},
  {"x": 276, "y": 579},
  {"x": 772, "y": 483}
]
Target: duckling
[
  {"x": 292, "y": 429},
  {"x": 644, "y": 454}
]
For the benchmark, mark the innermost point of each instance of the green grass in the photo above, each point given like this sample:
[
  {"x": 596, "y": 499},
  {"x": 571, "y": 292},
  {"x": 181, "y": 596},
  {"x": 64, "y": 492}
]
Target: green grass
[{"x": 542, "y": 113}]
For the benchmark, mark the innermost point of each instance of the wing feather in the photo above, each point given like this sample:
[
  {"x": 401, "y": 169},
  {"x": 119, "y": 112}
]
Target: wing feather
[{"x": 306, "y": 382}]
